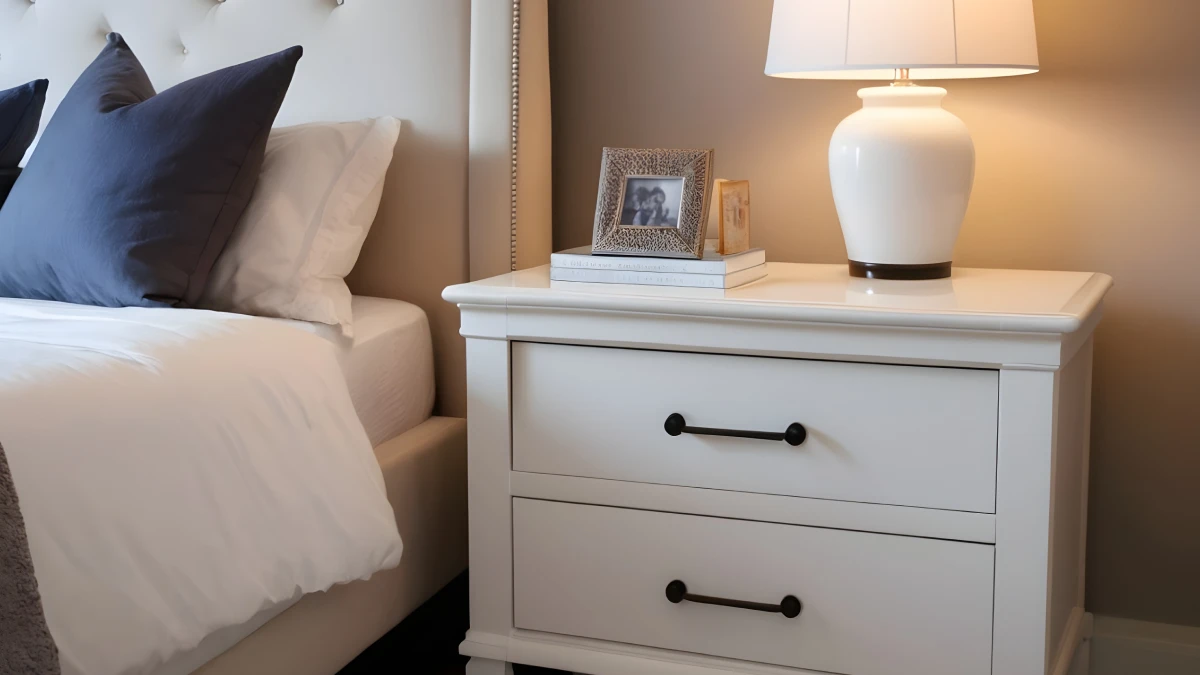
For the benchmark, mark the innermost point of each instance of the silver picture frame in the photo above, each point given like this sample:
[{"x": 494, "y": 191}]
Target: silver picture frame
[{"x": 661, "y": 225}]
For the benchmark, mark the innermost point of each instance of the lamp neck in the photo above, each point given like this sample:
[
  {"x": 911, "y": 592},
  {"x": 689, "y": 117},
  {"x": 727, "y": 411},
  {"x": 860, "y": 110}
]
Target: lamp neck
[
  {"x": 901, "y": 78},
  {"x": 901, "y": 97}
]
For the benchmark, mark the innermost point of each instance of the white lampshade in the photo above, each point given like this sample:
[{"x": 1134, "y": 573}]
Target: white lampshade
[{"x": 870, "y": 39}]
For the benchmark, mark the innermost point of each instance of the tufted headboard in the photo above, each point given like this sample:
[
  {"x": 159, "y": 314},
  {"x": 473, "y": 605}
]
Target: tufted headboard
[{"x": 410, "y": 59}]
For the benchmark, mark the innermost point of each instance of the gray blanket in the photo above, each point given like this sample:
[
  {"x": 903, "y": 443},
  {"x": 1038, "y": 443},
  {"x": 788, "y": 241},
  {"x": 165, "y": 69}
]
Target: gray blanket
[{"x": 26, "y": 647}]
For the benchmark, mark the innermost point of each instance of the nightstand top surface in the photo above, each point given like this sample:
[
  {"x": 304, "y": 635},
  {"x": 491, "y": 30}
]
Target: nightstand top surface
[{"x": 972, "y": 299}]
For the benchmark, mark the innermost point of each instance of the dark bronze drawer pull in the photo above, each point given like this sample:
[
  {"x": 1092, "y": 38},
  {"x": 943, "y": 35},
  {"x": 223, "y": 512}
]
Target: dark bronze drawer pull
[
  {"x": 793, "y": 435},
  {"x": 790, "y": 606}
]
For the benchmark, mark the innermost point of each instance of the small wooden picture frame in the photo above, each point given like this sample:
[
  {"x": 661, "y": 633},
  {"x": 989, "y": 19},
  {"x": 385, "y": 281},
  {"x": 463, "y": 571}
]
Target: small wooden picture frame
[{"x": 733, "y": 216}]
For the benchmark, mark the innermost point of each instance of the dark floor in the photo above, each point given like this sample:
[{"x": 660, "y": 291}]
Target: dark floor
[{"x": 426, "y": 643}]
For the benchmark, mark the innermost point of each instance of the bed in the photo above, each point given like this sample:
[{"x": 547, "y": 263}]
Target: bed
[{"x": 447, "y": 69}]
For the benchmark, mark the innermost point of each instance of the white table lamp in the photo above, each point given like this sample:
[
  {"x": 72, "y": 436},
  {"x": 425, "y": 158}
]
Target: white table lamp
[{"x": 902, "y": 167}]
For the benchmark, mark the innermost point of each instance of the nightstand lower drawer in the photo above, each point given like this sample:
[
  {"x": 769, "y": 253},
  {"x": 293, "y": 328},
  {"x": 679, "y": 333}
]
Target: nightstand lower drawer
[{"x": 869, "y": 604}]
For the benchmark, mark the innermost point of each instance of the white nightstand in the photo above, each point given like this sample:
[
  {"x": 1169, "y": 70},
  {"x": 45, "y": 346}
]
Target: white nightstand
[{"x": 810, "y": 473}]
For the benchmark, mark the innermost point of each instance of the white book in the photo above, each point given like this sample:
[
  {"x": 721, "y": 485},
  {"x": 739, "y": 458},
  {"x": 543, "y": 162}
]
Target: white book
[
  {"x": 724, "y": 281},
  {"x": 654, "y": 291},
  {"x": 711, "y": 263}
]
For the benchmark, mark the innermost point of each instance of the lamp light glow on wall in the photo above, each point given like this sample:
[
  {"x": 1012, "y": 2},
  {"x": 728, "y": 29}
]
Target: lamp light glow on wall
[{"x": 902, "y": 167}]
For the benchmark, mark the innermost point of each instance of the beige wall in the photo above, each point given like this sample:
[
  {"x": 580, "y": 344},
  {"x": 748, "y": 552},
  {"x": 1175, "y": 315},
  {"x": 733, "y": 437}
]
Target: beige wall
[{"x": 1093, "y": 164}]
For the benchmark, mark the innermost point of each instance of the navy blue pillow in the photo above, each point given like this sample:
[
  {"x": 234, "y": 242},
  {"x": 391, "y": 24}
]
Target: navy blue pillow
[
  {"x": 20, "y": 113},
  {"x": 130, "y": 196}
]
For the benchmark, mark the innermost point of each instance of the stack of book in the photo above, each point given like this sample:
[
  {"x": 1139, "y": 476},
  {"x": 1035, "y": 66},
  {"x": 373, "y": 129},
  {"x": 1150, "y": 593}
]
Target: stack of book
[{"x": 711, "y": 271}]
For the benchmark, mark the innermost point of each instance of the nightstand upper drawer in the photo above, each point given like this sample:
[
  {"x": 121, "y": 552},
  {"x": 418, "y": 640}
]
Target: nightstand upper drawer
[{"x": 886, "y": 434}]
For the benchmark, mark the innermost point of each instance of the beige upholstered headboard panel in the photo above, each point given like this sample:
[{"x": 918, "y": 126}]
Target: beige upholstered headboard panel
[
  {"x": 510, "y": 136},
  {"x": 410, "y": 59}
]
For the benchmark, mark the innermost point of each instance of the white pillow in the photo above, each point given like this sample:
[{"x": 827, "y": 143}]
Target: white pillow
[{"x": 305, "y": 225}]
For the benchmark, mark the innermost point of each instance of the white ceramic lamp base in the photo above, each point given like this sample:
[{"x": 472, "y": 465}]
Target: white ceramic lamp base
[{"x": 902, "y": 170}]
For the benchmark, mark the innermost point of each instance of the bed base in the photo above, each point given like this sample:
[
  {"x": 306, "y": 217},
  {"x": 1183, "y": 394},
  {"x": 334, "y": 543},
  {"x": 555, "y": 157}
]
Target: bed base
[{"x": 425, "y": 471}]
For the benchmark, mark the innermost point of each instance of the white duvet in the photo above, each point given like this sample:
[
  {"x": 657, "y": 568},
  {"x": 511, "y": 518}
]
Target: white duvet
[{"x": 180, "y": 471}]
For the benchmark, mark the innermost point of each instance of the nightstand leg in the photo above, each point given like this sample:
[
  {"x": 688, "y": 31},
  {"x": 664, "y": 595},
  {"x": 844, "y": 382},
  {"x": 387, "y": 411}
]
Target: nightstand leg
[{"x": 478, "y": 666}]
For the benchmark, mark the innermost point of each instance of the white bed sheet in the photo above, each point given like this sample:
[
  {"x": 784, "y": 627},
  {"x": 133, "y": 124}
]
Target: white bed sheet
[
  {"x": 388, "y": 368},
  {"x": 179, "y": 474},
  {"x": 388, "y": 364}
]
